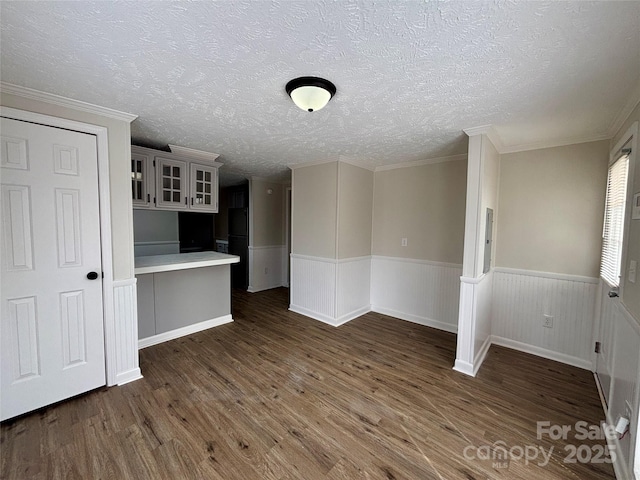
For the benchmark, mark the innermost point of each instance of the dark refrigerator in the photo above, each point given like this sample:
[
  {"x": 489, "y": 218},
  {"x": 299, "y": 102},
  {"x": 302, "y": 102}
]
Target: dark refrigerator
[{"x": 239, "y": 245}]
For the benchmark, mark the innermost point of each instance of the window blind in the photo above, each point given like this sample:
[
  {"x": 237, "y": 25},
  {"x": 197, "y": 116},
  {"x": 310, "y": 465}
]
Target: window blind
[{"x": 614, "y": 221}]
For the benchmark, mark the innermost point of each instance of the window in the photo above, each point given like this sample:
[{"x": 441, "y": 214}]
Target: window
[{"x": 614, "y": 220}]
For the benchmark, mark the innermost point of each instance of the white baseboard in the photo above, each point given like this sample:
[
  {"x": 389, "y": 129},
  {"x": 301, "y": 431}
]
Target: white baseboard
[
  {"x": 181, "y": 332},
  {"x": 351, "y": 315},
  {"x": 464, "y": 367},
  {"x": 542, "y": 352},
  {"x": 481, "y": 355},
  {"x": 252, "y": 289},
  {"x": 619, "y": 468},
  {"x": 428, "y": 322},
  {"x": 315, "y": 315},
  {"x": 128, "y": 376}
]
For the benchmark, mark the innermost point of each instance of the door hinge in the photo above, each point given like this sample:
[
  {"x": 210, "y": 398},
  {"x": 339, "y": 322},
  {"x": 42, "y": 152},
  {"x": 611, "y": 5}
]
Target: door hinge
[
  {"x": 597, "y": 349},
  {"x": 154, "y": 163}
]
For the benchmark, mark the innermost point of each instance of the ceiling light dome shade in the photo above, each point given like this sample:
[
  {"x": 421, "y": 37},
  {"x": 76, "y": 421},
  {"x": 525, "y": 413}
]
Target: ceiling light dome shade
[{"x": 310, "y": 93}]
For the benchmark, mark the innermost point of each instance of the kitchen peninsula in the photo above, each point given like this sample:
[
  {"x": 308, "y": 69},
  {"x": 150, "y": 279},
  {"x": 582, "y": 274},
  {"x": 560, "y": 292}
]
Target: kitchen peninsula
[{"x": 183, "y": 293}]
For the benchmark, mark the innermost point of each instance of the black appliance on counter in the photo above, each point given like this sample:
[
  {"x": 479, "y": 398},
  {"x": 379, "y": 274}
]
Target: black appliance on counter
[
  {"x": 196, "y": 232},
  {"x": 239, "y": 245}
]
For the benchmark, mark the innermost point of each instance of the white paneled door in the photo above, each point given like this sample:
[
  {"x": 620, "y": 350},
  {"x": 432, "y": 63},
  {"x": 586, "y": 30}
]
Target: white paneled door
[{"x": 51, "y": 285}]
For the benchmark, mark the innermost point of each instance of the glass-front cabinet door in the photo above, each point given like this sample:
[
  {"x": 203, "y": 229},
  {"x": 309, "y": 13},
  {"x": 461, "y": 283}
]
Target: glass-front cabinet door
[
  {"x": 142, "y": 181},
  {"x": 204, "y": 188},
  {"x": 171, "y": 184}
]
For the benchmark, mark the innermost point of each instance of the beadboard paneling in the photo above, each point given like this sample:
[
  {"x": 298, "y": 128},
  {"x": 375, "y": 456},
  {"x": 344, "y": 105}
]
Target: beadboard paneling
[
  {"x": 620, "y": 355},
  {"x": 353, "y": 288},
  {"x": 266, "y": 264},
  {"x": 416, "y": 290},
  {"x": 313, "y": 287},
  {"x": 126, "y": 331},
  {"x": 520, "y": 301},
  {"x": 483, "y": 306}
]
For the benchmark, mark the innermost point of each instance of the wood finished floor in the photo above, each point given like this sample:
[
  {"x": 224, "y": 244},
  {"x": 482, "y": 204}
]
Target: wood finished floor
[{"x": 276, "y": 395}]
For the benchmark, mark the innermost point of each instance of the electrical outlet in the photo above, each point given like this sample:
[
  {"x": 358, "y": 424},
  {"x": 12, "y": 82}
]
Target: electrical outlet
[
  {"x": 548, "y": 321},
  {"x": 404, "y": 242}
]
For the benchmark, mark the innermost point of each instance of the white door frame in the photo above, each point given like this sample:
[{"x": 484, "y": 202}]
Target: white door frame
[{"x": 104, "y": 196}]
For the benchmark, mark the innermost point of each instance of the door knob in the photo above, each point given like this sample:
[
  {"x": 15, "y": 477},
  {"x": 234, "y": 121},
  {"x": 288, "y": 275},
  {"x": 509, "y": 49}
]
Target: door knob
[
  {"x": 613, "y": 294},
  {"x": 92, "y": 275}
]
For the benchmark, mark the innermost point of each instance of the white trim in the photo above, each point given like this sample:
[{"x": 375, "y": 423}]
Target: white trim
[
  {"x": 541, "y": 352},
  {"x": 481, "y": 355},
  {"x": 417, "y": 260},
  {"x": 125, "y": 283},
  {"x": 183, "y": 331},
  {"x": 276, "y": 181},
  {"x": 252, "y": 289},
  {"x": 475, "y": 280},
  {"x": 336, "y": 261},
  {"x": 193, "y": 154},
  {"x": 295, "y": 166},
  {"x": 347, "y": 317},
  {"x": 624, "y": 113},
  {"x": 464, "y": 367},
  {"x": 419, "y": 163},
  {"x": 555, "y": 276},
  {"x": 286, "y": 267},
  {"x": 420, "y": 320},
  {"x": 129, "y": 376},
  {"x": 315, "y": 259},
  {"x": 562, "y": 142},
  {"x": 104, "y": 196},
  {"x": 53, "y": 99},
  {"x": 630, "y": 135},
  {"x": 620, "y": 469},
  {"x": 355, "y": 163},
  {"x": 315, "y": 315},
  {"x": 490, "y": 132}
]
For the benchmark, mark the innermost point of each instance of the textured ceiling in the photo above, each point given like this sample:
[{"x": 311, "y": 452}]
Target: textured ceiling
[{"x": 410, "y": 75}]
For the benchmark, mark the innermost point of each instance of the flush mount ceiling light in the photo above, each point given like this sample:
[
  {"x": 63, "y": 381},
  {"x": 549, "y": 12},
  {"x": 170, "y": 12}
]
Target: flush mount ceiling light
[{"x": 310, "y": 93}]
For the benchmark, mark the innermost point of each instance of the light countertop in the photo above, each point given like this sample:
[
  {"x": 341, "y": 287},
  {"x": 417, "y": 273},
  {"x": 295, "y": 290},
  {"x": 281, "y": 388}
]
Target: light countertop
[{"x": 181, "y": 261}]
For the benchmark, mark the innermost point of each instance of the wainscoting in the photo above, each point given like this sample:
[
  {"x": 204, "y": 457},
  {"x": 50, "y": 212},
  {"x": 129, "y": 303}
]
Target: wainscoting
[
  {"x": 521, "y": 298},
  {"x": 332, "y": 291},
  {"x": 267, "y": 267},
  {"x": 419, "y": 291},
  {"x": 126, "y": 331},
  {"x": 474, "y": 339},
  {"x": 619, "y": 375}
]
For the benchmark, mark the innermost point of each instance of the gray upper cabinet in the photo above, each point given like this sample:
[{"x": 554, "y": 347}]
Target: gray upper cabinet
[
  {"x": 142, "y": 180},
  {"x": 183, "y": 179},
  {"x": 171, "y": 184}
]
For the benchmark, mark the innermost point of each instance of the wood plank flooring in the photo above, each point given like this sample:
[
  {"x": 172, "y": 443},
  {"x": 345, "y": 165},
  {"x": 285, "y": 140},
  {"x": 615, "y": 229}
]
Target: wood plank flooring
[{"x": 276, "y": 395}]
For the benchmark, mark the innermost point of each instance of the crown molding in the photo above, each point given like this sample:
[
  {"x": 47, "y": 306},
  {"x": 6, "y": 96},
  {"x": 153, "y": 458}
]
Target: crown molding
[
  {"x": 355, "y": 163},
  {"x": 624, "y": 113},
  {"x": 274, "y": 181},
  {"x": 419, "y": 163},
  {"x": 490, "y": 132},
  {"x": 294, "y": 166},
  {"x": 563, "y": 142},
  {"x": 53, "y": 99},
  {"x": 193, "y": 153}
]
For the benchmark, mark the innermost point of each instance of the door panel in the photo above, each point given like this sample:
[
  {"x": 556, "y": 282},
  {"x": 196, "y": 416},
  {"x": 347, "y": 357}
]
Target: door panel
[{"x": 52, "y": 320}]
